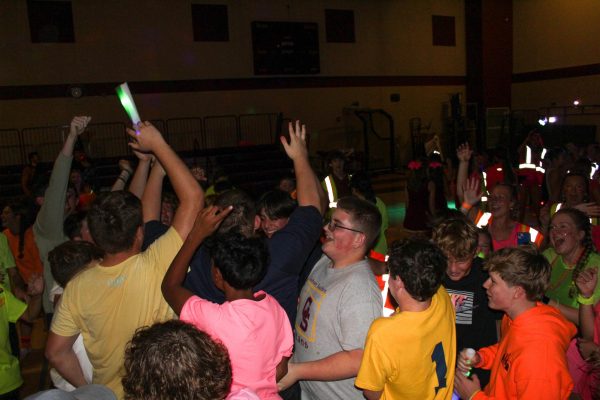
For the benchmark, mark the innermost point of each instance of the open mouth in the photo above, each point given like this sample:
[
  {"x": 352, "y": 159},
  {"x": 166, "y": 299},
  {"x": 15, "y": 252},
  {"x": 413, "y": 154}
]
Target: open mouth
[{"x": 559, "y": 240}]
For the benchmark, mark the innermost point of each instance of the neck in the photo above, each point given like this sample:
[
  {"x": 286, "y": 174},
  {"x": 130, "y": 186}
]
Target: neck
[
  {"x": 349, "y": 259},
  {"x": 110, "y": 260},
  {"x": 407, "y": 303},
  {"x": 519, "y": 309},
  {"x": 232, "y": 294},
  {"x": 572, "y": 257},
  {"x": 503, "y": 220}
]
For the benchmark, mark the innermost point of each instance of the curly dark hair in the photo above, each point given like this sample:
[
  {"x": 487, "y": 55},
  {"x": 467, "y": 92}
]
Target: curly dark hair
[
  {"x": 68, "y": 258},
  {"x": 114, "y": 219},
  {"x": 420, "y": 264},
  {"x": 174, "y": 360},
  {"x": 242, "y": 261}
]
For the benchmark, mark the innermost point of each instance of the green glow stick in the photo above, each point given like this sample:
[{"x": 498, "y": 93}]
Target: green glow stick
[{"x": 127, "y": 102}]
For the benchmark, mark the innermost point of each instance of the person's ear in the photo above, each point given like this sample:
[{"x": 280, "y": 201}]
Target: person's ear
[{"x": 359, "y": 240}]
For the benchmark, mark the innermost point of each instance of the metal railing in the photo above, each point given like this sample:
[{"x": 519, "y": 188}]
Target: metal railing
[{"x": 108, "y": 140}]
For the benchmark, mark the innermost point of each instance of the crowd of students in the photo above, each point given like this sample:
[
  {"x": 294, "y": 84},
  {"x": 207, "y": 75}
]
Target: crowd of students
[{"x": 297, "y": 294}]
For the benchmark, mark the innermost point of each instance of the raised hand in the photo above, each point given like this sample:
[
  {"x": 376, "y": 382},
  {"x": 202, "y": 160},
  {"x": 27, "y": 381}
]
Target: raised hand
[
  {"x": 207, "y": 221},
  {"x": 296, "y": 148},
  {"x": 145, "y": 138},
  {"x": 78, "y": 125},
  {"x": 464, "y": 152},
  {"x": 471, "y": 191},
  {"x": 143, "y": 156},
  {"x": 590, "y": 209},
  {"x": 586, "y": 281}
]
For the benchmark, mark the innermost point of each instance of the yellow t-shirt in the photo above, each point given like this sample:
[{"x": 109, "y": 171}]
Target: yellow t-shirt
[
  {"x": 107, "y": 304},
  {"x": 412, "y": 355}
]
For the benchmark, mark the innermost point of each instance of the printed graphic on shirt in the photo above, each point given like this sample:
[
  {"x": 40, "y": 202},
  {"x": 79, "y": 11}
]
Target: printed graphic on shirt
[
  {"x": 463, "y": 305},
  {"x": 309, "y": 311}
]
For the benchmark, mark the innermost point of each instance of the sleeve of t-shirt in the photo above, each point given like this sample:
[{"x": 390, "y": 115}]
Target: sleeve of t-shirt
[
  {"x": 14, "y": 306},
  {"x": 152, "y": 231},
  {"x": 161, "y": 253},
  {"x": 375, "y": 365},
  {"x": 290, "y": 247},
  {"x": 360, "y": 304},
  {"x": 200, "y": 313},
  {"x": 63, "y": 323},
  {"x": 286, "y": 342}
]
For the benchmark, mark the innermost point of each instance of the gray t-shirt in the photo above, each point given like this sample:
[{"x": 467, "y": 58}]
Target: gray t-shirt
[{"x": 335, "y": 312}]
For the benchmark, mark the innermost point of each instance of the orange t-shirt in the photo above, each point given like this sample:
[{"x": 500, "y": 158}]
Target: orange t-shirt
[{"x": 30, "y": 263}]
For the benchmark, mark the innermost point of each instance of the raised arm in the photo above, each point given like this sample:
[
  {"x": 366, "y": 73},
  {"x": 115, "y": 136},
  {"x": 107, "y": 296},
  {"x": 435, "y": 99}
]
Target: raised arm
[
  {"x": 151, "y": 199},
  {"x": 50, "y": 219},
  {"x": 191, "y": 196},
  {"x": 464, "y": 154},
  {"x": 124, "y": 175},
  {"x": 308, "y": 188},
  {"x": 138, "y": 182},
  {"x": 207, "y": 221},
  {"x": 472, "y": 194}
]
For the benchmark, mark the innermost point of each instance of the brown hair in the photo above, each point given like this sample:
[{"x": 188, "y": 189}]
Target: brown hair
[
  {"x": 522, "y": 266},
  {"x": 174, "y": 360},
  {"x": 364, "y": 215},
  {"x": 457, "y": 238}
]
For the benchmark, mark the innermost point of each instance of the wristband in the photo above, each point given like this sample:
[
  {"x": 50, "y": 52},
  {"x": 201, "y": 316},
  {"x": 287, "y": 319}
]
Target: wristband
[
  {"x": 466, "y": 206},
  {"x": 474, "y": 393},
  {"x": 586, "y": 301}
]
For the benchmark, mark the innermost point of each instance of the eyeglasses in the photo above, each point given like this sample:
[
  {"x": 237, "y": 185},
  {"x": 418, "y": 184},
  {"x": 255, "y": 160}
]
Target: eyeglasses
[{"x": 334, "y": 225}]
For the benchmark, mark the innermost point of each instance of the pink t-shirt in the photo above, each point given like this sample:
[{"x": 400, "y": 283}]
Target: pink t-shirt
[{"x": 256, "y": 333}]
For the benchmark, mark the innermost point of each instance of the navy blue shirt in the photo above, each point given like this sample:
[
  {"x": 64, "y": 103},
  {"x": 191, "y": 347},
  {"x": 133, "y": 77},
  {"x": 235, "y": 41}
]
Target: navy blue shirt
[{"x": 289, "y": 249}]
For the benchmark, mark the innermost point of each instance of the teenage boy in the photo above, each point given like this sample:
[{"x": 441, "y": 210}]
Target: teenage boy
[
  {"x": 529, "y": 362},
  {"x": 411, "y": 354},
  {"x": 475, "y": 322},
  {"x": 338, "y": 303},
  {"x": 107, "y": 302}
]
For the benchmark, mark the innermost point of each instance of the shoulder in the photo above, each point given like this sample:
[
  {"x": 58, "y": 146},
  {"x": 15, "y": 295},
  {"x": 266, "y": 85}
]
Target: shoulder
[{"x": 594, "y": 259}]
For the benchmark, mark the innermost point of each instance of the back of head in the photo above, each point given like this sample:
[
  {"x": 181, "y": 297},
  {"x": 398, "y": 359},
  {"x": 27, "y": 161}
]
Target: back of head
[
  {"x": 523, "y": 266},
  {"x": 241, "y": 218},
  {"x": 420, "y": 264},
  {"x": 243, "y": 261},
  {"x": 276, "y": 204},
  {"x": 69, "y": 258},
  {"x": 456, "y": 238},
  {"x": 174, "y": 360},
  {"x": 361, "y": 182},
  {"x": 114, "y": 219},
  {"x": 365, "y": 215},
  {"x": 73, "y": 223},
  {"x": 24, "y": 208}
]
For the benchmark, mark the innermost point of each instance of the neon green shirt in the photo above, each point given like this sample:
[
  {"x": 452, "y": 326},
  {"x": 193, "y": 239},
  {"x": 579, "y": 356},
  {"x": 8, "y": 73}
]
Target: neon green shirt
[{"x": 10, "y": 310}]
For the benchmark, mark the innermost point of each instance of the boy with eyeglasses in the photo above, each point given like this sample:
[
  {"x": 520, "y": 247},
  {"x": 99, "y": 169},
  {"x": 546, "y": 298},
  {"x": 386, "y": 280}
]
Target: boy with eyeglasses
[{"x": 337, "y": 304}]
